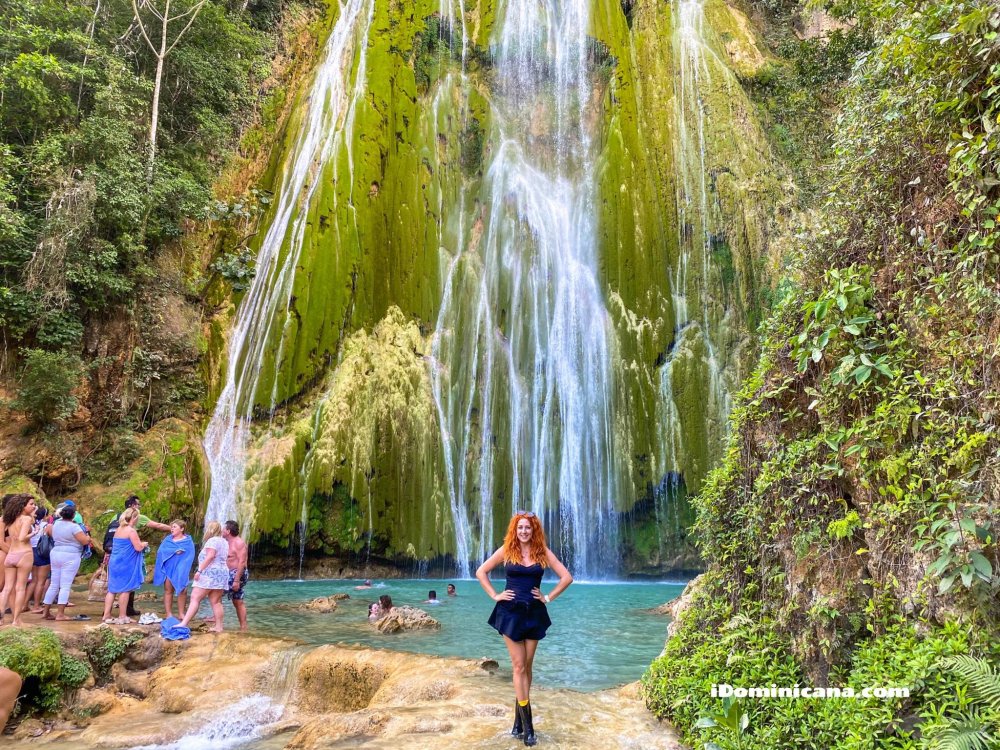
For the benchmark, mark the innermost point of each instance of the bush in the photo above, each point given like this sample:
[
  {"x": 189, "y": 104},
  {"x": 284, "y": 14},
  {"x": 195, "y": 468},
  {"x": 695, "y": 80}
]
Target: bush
[
  {"x": 46, "y": 385},
  {"x": 47, "y": 670}
]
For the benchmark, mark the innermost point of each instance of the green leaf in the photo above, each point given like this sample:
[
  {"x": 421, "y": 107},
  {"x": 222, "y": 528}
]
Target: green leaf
[
  {"x": 852, "y": 329},
  {"x": 946, "y": 584},
  {"x": 966, "y": 574},
  {"x": 842, "y": 301},
  {"x": 983, "y": 566}
]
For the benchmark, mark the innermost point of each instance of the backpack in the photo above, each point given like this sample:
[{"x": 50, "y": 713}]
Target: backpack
[
  {"x": 109, "y": 536},
  {"x": 45, "y": 544}
]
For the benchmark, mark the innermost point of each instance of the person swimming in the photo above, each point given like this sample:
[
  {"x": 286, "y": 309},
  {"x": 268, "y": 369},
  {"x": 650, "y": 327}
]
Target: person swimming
[{"x": 432, "y": 598}]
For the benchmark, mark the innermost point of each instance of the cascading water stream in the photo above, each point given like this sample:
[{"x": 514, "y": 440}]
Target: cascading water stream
[
  {"x": 327, "y": 123},
  {"x": 695, "y": 62},
  {"x": 522, "y": 374}
]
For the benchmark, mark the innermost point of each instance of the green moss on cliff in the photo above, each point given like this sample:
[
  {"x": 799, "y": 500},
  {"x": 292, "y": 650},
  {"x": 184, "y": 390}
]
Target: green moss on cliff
[
  {"x": 47, "y": 670},
  {"x": 366, "y": 461}
]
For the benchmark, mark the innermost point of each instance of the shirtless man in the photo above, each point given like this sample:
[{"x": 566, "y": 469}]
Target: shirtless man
[{"x": 239, "y": 574}]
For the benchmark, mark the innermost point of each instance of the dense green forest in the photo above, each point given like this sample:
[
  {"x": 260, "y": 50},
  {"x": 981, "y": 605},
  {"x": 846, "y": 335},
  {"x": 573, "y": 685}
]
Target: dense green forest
[
  {"x": 88, "y": 208},
  {"x": 110, "y": 250},
  {"x": 850, "y": 534}
]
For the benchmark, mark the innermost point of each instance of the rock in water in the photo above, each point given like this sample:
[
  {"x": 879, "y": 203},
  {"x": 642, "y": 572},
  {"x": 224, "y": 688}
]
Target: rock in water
[
  {"x": 322, "y": 604},
  {"x": 405, "y": 618}
]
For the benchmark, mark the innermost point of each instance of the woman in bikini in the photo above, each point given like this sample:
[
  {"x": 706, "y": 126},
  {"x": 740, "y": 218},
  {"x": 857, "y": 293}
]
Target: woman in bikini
[
  {"x": 18, "y": 520},
  {"x": 521, "y": 612}
]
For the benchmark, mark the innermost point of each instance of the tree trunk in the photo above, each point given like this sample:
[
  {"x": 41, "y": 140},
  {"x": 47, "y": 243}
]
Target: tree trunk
[{"x": 157, "y": 84}]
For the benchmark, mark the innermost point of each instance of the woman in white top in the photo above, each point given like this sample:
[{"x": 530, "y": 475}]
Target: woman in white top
[
  {"x": 212, "y": 577},
  {"x": 68, "y": 541}
]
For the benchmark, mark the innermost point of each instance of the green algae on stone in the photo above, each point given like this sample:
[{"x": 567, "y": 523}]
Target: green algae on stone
[{"x": 368, "y": 449}]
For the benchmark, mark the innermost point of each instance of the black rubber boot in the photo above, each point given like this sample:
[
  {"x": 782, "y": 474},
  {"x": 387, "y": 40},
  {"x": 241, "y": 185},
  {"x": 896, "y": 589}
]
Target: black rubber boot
[
  {"x": 517, "y": 732},
  {"x": 529, "y": 728}
]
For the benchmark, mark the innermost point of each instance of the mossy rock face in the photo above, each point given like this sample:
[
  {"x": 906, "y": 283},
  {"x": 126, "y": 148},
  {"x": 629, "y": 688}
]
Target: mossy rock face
[
  {"x": 48, "y": 671},
  {"x": 351, "y": 458},
  {"x": 16, "y": 484},
  {"x": 31, "y": 652},
  {"x": 168, "y": 475},
  {"x": 362, "y": 462}
]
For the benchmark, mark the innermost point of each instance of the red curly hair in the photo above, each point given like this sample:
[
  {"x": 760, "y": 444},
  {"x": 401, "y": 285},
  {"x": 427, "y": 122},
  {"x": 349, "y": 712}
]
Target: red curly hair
[{"x": 512, "y": 547}]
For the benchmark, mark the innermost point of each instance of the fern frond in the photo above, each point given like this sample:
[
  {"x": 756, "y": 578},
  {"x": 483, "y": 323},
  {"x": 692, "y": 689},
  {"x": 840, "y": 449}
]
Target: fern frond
[
  {"x": 968, "y": 732},
  {"x": 982, "y": 679}
]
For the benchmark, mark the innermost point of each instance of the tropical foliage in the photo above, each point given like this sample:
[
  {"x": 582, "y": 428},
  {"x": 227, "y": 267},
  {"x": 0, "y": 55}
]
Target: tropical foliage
[{"x": 853, "y": 520}]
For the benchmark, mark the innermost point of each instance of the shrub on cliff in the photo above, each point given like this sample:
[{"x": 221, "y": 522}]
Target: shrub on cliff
[
  {"x": 851, "y": 528},
  {"x": 47, "y": 670},
  {"x": 46, "y": 385}
]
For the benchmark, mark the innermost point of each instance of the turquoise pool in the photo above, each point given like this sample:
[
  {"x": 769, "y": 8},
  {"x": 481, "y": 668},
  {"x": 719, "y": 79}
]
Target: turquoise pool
[{"x": 602, "y": 634}]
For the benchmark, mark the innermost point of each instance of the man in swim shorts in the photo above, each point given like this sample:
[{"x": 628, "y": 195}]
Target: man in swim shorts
[{"x": 239, "y": 574}]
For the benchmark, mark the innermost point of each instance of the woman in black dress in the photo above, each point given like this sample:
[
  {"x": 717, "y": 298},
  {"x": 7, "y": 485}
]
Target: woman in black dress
[{"x": 521, "y": 613}]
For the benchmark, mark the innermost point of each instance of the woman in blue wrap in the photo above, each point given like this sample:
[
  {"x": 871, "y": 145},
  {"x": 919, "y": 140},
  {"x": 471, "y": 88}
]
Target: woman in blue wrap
[
  {"x": 521, "y": 613},
  {"x": 173, "y": 567},
  {"x": 126, "y": 569}
]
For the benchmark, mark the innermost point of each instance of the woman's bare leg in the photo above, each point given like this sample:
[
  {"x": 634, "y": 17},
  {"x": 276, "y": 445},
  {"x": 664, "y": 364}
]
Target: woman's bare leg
[
  {"x": 196, "y": 596},
  {"x": 9, "y": 579},
  {"x": 109, "y": 603},
  {"x": 215, "y": 598},
  {"x": 21, "y": 588},
  {"x": 529, "y": 658},
  {"x": 168, "y": 599},
  {"x": 41, "y": 575},
  {"x": 518, "y": 662}
]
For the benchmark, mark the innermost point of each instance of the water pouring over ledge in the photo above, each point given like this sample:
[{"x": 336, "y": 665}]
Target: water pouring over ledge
[
  {"x": 522, "y": 374},
  {"x": 520, "y": 383},
  {"x": 327, "y": 123}
]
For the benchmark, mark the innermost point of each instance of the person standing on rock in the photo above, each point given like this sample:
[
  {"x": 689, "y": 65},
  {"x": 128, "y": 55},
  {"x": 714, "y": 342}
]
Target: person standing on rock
[
  {"x": 239, "y": 574},
  {"x": 68, "y": 541},
  {"x": 211, "y": 578},
  {"x": 143, "y": 521},
  {"x": 126, "y": 569},
  {"x": 18, "y": 520},
  {"x": 521, "y": 612}
]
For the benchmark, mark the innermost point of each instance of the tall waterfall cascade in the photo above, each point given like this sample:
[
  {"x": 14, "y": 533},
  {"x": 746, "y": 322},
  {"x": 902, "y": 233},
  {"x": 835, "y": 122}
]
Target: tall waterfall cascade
[{"x": 511, "y": 265}]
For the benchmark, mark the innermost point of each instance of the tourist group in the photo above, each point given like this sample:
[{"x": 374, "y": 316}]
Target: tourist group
[{"x": 41, "y": 554}]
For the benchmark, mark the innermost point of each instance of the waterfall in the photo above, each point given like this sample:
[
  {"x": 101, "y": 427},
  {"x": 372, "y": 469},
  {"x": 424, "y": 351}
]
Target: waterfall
[
  {"x": 522, "y": 353},
  {"x": 327, "y": 123},
  {"x": 695, "y": 65}
]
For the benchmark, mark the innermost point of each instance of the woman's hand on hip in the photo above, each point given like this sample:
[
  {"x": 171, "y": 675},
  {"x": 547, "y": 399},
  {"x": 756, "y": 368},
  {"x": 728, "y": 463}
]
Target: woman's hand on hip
[
  {"x": 537, "y": 593},
  {"x": 504, "y": 596}
]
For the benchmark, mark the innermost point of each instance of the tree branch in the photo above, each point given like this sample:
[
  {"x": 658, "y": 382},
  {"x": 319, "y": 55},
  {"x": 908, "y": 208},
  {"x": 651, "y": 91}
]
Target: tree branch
[
  {"x": 197, "y": 10},
  {"x": 142, "y": 28}
]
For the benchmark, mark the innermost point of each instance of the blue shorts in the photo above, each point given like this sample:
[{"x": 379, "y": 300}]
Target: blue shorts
[
  {"x": 237, "y": 596},
  {"x": 40, "y": 560}
]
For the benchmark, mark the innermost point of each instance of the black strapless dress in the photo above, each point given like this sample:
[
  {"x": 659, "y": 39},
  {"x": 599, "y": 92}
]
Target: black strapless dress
[{"x": 523, "y": 617}]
